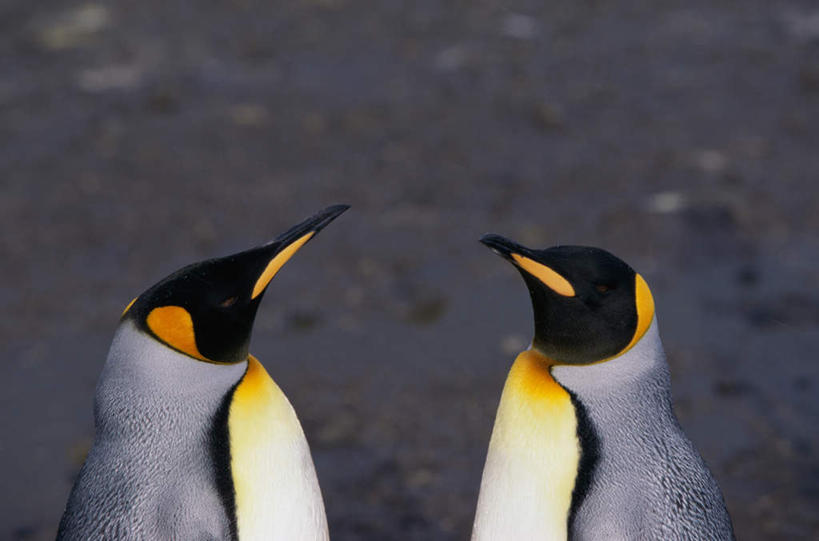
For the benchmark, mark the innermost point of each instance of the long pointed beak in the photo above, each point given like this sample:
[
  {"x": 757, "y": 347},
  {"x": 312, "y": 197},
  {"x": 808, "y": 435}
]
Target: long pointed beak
[
  {"x": 526, "y": 260},
  {"x": 289, "y": 242},
  {"x": 503, "y": 246},
  {"x": 313, "y": 224}
]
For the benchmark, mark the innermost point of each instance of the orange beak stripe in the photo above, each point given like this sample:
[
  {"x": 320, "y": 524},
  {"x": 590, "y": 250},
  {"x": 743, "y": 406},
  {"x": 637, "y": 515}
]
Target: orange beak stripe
[
  {"x": 550, "y": 278},
  {"x": 278, "y": 262}
]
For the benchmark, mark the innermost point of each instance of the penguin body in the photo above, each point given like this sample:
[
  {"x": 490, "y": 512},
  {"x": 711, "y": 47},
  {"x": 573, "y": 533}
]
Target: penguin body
[
  {"x": 152, "y": 471},
  {"x": 585, "y": 443},
  {"x": 193, "y": 439},
  {"x": 647, "y": 481}
]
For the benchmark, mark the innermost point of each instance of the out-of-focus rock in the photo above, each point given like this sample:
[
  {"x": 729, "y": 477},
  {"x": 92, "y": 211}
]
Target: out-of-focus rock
[
  {"x": 248, "y": 114},
  {"x": 452, "y": 58},
  {"x": 711, "y": 161},
  {"x": 518, "y": 26},
  {"x": 667, "y": 202},
  {"x": 113, "y": 77},
  {"x": 547, "y": 117},
  {"x": 803, "y": 26},
  {"x": 74, "y": 27}
]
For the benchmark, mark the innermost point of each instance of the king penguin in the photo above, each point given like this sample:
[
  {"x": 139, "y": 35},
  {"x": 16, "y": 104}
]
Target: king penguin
[
  {"x": 585, "y": 443},
  {"x": 193, "y": 439}
]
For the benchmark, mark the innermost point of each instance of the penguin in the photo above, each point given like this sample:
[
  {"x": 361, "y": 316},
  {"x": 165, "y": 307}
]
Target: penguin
[
  {"x": 193, "y": 439},
  {"x": 585, "y": 444}
]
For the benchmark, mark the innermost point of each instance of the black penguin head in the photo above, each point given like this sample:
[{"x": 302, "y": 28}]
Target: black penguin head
[
  {"x": 589, "y": 306},
  {"x": 206, "y": 310}
]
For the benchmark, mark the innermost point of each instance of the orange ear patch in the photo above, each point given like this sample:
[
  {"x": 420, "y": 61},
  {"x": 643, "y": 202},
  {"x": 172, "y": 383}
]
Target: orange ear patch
[
  {"x": 644, "y": 302},
  {"x": 550, "y": 278},
  {"x": 174, "y": 326},
  {"x": 278, "y": 262}
]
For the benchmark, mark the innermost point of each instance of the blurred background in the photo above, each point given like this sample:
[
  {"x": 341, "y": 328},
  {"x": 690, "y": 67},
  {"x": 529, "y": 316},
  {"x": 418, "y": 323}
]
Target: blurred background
[{"x": 137, "y": 137}]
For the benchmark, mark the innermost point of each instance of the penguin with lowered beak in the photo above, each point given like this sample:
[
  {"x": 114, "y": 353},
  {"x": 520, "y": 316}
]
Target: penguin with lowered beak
[{"x": 585, "y": 443}]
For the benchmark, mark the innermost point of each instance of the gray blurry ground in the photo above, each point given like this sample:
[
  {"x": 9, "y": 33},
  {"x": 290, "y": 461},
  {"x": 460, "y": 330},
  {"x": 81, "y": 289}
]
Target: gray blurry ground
[{"x": 683, "y": 136}]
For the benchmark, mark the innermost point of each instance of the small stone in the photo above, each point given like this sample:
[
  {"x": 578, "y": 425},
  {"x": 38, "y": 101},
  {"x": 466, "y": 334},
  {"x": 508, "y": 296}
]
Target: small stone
[
  {"x": 732, "y": 388},
  {"x": 340, "y": 428},
  {"x": 451, "y": 58},
  {"x": 524, "y": 27},
  {"x": 302, "y": 320},
  {"x": 667, "y": 202},
  {"x": 163, "y": 102},
  {"x": 547, "y": 117},
  {"x": 747, "y": 276},
  {"x": 711, "y": 161},
  {"x": 314, "y": 123},
  {"x": 426, "y": 311},
  {"x": 248, "y": 114},
  {"x": 420, "y": 478},
  {"x": 74, "y": 26},
  {"x": 113, "y": 77},
  {"x": 354, "y": 295},
  {"x": 803, "y": 26},
  {"x": 809, "y": 79}
]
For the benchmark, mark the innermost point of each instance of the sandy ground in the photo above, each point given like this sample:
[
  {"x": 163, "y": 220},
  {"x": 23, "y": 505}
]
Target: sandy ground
[{"x": 682, "y": 136}]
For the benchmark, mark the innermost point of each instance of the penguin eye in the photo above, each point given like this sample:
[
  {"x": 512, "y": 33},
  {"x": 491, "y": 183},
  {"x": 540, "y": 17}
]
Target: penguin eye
[
  {"x": 602, "y": 288},
  {"x": 227, "y": 303}
]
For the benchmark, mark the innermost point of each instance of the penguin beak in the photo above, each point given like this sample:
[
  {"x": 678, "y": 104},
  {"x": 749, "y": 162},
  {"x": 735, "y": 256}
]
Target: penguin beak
[
  {"x": 503, "y": 246},
  {"x": 311, "y": 225},
  {"x": 530, "y": 262},
  {"x": 289, "y": 242}
]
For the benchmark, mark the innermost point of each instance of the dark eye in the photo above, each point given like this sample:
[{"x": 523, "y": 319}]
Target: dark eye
[
  {"x": 602, "y": 288},
  {"x": 227, "y": 303}
]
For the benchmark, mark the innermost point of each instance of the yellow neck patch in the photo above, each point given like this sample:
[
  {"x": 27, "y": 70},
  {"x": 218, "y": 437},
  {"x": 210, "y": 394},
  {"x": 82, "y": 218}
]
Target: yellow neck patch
[
  {"x": 530, "y": 378},
  {"x": 278, "y": 262},
  {"x": 174, "y": 326},
  {"x": 533, "y": 458},
  {"x": 272, "y": 472},
  {"x": 255, "y": 386},
  {"x": 550, "y": 278},
  {"x": 645, "y": 311}
]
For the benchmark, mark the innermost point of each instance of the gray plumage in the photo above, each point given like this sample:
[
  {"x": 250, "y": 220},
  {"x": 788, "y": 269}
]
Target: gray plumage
[
  {"x": 648, "y": 481},
  {"x": 150, "y": 473}
]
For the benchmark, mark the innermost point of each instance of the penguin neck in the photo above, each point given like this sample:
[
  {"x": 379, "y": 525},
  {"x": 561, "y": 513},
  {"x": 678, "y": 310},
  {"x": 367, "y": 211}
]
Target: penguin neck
[
  {"x": 626, "y": 404},
  {"x": 636, "y": 381},
  {"x": 533, "y": 457},
  {"x": 144, "y": 379}
]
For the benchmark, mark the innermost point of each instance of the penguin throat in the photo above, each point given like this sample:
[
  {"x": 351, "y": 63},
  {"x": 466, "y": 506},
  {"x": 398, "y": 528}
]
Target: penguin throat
[
  {"x": 531, "y": 376},
  {"x": 276, "y": 490},
  {"x": 533, "y": 458}
]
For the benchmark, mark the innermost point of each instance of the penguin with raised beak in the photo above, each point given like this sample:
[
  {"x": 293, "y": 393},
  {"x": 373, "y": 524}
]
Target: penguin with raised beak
[{"x": 193, "y": 439}]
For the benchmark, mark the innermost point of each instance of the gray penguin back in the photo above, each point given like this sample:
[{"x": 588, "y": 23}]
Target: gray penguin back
[
  {"x": 157, "y": 468},
  {"x": 640, "y": 476}
]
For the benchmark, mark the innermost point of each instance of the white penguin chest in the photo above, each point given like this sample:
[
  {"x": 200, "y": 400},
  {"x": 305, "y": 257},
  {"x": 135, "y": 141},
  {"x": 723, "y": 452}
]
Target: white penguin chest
[
  {"x": 277, "y": 491},
  {"x": 533, "y": 457}
]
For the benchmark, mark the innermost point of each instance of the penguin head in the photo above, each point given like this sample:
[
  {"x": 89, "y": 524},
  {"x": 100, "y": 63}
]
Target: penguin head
[
  {"x": 589, "y": 305},
  {"x": 206, "y": 310}
]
